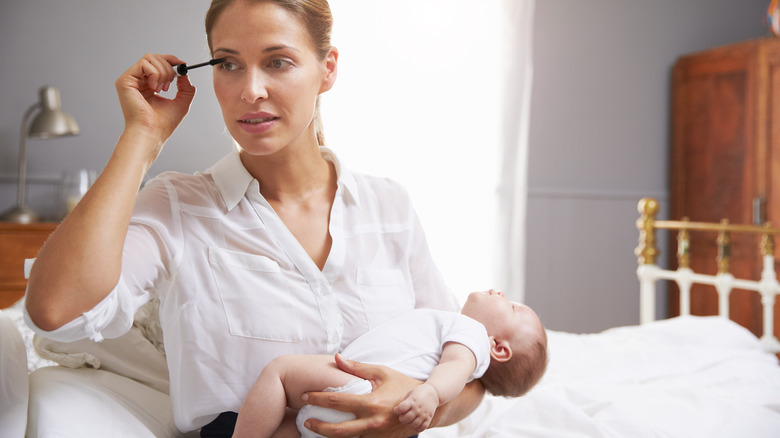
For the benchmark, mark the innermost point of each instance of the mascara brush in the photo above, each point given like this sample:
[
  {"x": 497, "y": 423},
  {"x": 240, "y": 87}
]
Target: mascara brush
[{"x": 182, "y": 69}]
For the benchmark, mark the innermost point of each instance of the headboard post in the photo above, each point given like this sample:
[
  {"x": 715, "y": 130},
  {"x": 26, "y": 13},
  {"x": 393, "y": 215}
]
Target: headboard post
[
  {"x": 724, "y": 248},
  {"x": 647, "y": 251},
  {"x": 646, "y": 254},
  {"x": 770, "y": 287},
  {"x": 767, "y": 241},
  {"x": 684, "y": 246}
]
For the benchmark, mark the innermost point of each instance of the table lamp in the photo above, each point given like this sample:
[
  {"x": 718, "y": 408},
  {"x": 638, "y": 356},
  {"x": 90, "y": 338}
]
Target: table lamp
[{"x": 51, "y": 121}]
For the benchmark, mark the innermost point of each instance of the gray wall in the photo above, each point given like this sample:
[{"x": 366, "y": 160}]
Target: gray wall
[
  {"x": 599, "y": 122},
  {"x": 599, "y": 141},
  {"x": 81, "y": 47}
]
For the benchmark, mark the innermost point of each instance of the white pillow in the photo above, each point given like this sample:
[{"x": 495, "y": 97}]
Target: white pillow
[{"x": 14, "y": 387}]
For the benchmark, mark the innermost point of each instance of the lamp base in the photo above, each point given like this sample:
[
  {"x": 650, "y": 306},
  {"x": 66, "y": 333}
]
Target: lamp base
[{"x": 19, "y": 214}]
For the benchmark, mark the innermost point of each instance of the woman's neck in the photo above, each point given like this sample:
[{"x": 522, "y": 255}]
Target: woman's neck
[{"x": 291, "y": 174}]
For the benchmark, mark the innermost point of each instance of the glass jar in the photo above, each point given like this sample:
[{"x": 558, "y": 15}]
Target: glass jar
[{"x": 73, "y": 185}]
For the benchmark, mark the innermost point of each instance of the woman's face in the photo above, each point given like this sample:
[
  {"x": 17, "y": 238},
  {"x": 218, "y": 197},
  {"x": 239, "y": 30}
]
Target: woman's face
[{"x": 269, "y": 84}]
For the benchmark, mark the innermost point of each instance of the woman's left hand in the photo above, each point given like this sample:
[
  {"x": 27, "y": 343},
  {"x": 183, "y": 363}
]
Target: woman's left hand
[{"x": 374, "y": 411}]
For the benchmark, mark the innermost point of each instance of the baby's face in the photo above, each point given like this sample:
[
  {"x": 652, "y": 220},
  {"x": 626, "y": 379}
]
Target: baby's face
[{"x": 502, "y": 318}]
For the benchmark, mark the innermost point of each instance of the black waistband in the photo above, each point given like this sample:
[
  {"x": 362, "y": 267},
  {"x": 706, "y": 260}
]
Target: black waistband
[{"x": 222, "y": 426}]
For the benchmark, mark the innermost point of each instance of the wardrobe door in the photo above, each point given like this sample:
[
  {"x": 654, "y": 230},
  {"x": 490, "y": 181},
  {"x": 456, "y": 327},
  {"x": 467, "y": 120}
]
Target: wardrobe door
[{"x": 714, "y": 164}]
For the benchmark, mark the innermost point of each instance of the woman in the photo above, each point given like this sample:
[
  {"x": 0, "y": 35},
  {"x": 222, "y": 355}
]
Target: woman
[{"x": 274, "y": 250}]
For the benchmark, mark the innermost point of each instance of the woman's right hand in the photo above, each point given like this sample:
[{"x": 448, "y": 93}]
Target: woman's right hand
[
  {"x": 145, "y": 111},
  {"x": 81, "y": 261}
]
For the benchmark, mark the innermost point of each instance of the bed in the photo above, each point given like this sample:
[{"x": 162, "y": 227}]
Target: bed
[{"x": 687, "y": 376}]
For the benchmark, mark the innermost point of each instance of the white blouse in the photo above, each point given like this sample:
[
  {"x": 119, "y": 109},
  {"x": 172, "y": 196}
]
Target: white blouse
[{"x": 236, "y": 288}]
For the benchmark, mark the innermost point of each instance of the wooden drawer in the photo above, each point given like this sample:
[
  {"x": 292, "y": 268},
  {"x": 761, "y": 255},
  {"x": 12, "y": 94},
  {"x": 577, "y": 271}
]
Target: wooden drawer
[{"x": 18, "y": 242}]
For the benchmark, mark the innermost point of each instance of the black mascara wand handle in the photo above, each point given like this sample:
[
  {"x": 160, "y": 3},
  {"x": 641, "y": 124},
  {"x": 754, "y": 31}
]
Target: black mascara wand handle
[{"x": 182, "y": 69}]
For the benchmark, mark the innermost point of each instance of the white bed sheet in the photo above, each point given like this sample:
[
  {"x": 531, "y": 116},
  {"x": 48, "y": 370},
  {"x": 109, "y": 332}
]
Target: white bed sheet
[{"x": 683, "y": 377}]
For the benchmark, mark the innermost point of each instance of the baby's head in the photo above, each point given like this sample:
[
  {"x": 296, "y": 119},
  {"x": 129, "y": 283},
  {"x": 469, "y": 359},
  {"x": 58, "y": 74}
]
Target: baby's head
[{"x": 518, "y": 353}]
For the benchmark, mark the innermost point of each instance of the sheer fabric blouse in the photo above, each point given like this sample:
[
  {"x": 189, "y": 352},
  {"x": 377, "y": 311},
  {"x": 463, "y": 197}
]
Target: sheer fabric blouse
[{"x": 236, "y": 288}]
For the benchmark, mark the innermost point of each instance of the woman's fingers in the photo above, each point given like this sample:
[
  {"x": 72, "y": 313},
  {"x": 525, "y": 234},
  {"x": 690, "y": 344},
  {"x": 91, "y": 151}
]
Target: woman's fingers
[
  {"x": 153, "y": 71},
  {"x": 164, "y": 66},
  {"x": 336, "y": 430},
  {"x": 374, "y": 411},
  {"x": 373, "y": 373},
  {"x": 339, "y": 401},
  {"x": 184, "y": 89},
  {"x": 360, "y": 427},
  {"x": 156, "y": 73},
  {"x": 143, "y": 108},
  {"x": 374, "y": 419}
]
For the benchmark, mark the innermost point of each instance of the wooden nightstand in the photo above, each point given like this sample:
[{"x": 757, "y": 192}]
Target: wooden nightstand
[{"x": 18, "y": 242}]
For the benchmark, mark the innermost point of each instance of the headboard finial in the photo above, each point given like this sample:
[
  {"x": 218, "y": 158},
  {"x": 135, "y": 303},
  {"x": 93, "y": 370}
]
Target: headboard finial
[{"x": 648, "y": 207}]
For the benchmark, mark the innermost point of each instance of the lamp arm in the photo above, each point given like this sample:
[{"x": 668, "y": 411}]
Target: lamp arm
[{"x": 20, "y": 193}]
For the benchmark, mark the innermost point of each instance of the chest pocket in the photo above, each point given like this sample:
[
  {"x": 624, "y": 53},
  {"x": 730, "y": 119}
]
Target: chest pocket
[
  {"x": 255, "y": 297},
  {"x": 385, "y": 293}
]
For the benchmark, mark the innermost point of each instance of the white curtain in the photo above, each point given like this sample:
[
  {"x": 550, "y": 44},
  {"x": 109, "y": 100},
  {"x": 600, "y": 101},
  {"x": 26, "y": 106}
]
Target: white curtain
[
  {"x": 513, "y": 189},
  {"x": 427, "y": 95}
]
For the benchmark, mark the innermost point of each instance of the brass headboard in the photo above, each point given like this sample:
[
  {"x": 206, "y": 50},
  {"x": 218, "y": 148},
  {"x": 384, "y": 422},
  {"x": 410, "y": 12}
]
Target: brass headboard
[{"x": 724, "y": 282}]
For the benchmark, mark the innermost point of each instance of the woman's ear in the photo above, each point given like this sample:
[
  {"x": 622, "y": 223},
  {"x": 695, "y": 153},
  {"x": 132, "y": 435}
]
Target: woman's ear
[
  {"x": 331, "y": 69},
  {"x": 500, "y": 350}
]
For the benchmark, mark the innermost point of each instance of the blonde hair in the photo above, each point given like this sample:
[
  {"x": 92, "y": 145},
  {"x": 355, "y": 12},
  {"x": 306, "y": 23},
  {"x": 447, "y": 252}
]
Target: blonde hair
[
  {"x": 520, "y": 373},
  {"x": 315, "y": 16}
]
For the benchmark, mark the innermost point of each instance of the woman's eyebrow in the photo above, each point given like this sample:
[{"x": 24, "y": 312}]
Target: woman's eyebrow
[
  {"x": 266, "y": 50},
  {"x": 279, "y": 47},
  {"x": 230, "y": 51}
]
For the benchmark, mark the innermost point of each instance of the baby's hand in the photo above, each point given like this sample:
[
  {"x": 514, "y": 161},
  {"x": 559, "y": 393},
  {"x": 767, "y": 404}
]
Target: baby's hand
[{"x": 418, "y": 407}]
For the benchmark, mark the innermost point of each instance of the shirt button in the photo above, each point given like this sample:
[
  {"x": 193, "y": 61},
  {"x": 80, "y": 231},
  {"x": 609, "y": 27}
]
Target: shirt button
[{"x": 323, "y": 291}]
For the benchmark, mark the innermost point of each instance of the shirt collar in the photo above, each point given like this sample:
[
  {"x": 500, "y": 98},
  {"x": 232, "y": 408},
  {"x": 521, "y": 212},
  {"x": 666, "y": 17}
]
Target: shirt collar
[
  {"x": 344, "y": 177},
  {"x": 233, "y": 180}
]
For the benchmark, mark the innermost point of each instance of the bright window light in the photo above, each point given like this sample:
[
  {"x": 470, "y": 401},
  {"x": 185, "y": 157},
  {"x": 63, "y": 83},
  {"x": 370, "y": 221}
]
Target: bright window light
[{"x": 418, "y": 99}]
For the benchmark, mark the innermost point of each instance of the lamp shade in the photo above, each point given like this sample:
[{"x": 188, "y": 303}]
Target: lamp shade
[{"x": 52, "y": 121}]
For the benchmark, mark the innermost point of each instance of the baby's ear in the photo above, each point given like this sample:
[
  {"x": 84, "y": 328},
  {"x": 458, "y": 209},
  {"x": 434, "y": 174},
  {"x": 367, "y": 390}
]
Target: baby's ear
[{"x": 500, "y": 350}]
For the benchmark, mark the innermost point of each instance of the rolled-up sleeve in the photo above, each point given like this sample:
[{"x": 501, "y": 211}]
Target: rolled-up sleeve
[
  {"x": 146, "y": 261},
  {"x": 110, "y": 318}
]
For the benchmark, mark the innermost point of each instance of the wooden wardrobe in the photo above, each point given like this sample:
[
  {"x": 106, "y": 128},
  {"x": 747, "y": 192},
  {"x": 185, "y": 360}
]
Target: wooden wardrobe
[{"x": 725, "y": 161}]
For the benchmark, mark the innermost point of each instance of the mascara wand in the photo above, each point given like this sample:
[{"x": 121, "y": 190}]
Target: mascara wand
[{"x": 182, "y": 69}]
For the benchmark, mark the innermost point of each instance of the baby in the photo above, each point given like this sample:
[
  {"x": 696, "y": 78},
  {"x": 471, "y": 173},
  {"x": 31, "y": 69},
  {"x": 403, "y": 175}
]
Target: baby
[{"x": 500, "y": 342}]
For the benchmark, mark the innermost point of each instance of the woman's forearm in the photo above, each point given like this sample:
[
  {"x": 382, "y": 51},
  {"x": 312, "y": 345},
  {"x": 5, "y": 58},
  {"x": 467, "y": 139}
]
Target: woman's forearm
[
  {"x": 81, "y": 261},
  {"x": 461, "y": 406}
]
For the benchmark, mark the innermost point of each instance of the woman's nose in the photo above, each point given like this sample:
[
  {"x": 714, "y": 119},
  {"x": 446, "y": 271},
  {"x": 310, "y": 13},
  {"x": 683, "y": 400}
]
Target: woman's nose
[{"x": 254, "y": 88}]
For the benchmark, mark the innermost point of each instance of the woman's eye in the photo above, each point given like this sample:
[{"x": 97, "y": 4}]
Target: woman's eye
[
  {"x": 280, "y": 63},
  {"x": 228, "y": 66}
]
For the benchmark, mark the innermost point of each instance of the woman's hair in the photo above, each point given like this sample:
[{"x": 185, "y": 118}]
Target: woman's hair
[
  {"x": 520, "y": 373},
  {"x": 315, "y": 15}
]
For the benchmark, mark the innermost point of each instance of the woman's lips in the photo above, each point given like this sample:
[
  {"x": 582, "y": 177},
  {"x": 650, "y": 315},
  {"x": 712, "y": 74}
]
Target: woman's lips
[{"x": 257, "y": 123}]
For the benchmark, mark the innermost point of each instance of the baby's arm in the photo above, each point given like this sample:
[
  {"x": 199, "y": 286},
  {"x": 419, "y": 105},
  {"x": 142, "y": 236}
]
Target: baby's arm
[{"x": 445, "y": 382}]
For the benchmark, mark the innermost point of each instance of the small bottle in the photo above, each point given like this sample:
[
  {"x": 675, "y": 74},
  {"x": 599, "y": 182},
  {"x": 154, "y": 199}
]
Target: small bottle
[{"x": 73, "y": 186}]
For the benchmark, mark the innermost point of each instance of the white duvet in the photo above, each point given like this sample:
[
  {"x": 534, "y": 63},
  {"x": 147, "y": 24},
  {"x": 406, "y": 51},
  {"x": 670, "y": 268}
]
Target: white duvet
[{"x": 683, "y": 377}]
